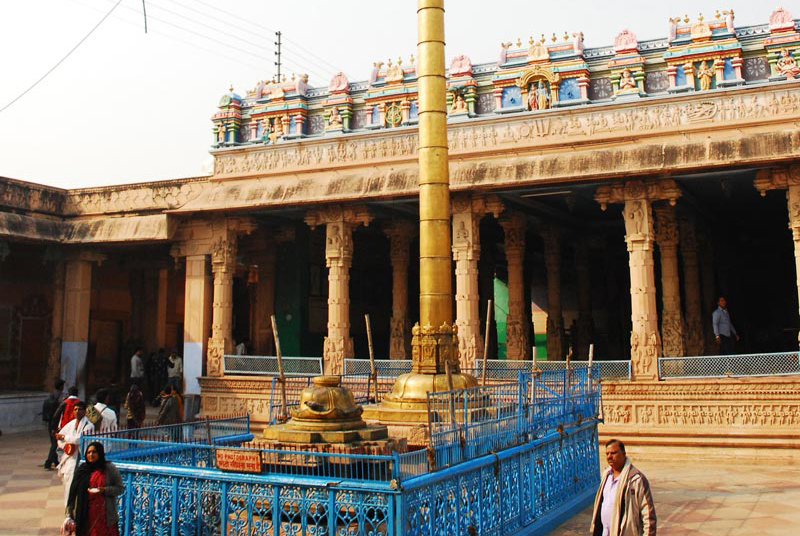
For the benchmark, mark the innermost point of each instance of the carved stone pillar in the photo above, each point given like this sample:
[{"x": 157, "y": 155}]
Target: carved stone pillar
[
  {"x": 262, "y": 253},
  {"x": 786, "y": 178},
  {"x": 400, "y": 234},
  {"x": 77, "y": 303},
  {"x": 514, "y": 225},
  {"x": 555, "y": 319},
  {"x": 468, "y": 210},
  {"x": 223, "y": 267},
  {"x": 637, "y": 195},
  {"x": 339, "y": 224},
  {"x": 691, "y": 287},
  {"x": 57, "y": 327},
  {"x": 584, "y": 322},
  {"x": 196, "y": 319},
  {"x": 671, "y": 317},
  {"x": 706, "y": 251},
  {"x": 161, "y": 308}
]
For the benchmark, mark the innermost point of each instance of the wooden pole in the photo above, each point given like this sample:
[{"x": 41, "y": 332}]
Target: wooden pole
[
  {"x": 281, "y": 376},
  {"x": 373, "y": 371},
  {"x": 486, "y": 340}
]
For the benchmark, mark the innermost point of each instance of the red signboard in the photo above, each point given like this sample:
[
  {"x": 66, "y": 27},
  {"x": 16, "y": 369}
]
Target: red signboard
[{"x": 240, "y": 461}]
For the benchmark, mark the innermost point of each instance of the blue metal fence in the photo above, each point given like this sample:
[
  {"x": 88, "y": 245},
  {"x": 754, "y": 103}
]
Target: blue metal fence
[{"x": 505, "y": 459}]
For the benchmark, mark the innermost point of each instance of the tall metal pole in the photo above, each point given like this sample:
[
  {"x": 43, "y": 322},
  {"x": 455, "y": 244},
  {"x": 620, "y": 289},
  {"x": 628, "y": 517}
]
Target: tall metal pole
[{"x": 435, "y": 266}]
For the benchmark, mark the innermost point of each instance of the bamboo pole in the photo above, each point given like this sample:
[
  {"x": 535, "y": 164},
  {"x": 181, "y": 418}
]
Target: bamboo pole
[
  {"x": 281, "y": 376},
  {"x": 486, "y": 340},
  {"x": 373, "y": 371}
]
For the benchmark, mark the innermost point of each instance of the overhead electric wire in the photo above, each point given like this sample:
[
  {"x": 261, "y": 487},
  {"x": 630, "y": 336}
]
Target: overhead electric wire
[
  {"x": 304, "y": 67},
  {"x": 233, "y": 15},
  {"x": 67, "y": 55},
  {"x": 119, "y": 17}
]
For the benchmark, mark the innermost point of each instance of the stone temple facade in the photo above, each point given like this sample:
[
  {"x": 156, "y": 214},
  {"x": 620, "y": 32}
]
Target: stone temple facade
[{"x": 601, "y": 196}]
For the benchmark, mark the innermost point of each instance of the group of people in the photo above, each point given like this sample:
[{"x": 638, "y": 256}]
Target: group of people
[{"x": 151, "y": 373}]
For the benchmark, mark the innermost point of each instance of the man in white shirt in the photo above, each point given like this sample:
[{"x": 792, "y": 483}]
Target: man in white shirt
[
  {"x": 175, "y": 371},
  {"x": 137, "y": 368},
  {"x": 69, "y": 440},
  {"x": 109, "y": 422}
]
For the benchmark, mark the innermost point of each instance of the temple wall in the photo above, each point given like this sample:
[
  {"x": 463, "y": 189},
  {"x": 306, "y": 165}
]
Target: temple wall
[{"x": 722, "y": 418}]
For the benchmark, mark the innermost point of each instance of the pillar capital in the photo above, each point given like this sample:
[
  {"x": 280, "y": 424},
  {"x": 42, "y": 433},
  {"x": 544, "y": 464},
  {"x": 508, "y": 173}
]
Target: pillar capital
[
  {"x": 666, "y": 226},
  {"x": 638, "y": 190},
  {"x": 476, "y": 204},
  {"x": 351, "y": 214},
  {"x": 777, "y": 178},
  {"x": 514, "y": 225}
]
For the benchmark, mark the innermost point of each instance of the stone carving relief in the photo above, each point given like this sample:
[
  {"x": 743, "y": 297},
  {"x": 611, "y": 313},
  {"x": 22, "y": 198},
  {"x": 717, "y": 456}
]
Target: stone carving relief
[
  {"x": 484, "y": 103},
  {"x": 656, "y": 82},
  {"x": 164, "y": 196},
  {"x": 755, "y": 69},
  {"x": 532, "y": 131},
  {"x": 600, "y": 88}
]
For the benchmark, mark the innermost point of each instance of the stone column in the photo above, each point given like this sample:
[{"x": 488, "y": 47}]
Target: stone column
[
  {"x": 671, "y": 318},
  {"x": 691, "y": 287},
  {"x": 637, "y": 196},
  {"x": 514, "y": 225},
  {"x": 77, "y": 301},
  {"x": 339, "y": 224},
  {"x": 467, "y": 211},
  {"x": 555, "y": 319},
  {"x": 196, "y": 319},
  {"x": 57, "y": 326},
  {"x": 584, "y": 323},
  {"x": 787, "y": 178},
  {"x": 223, "y": 266},
  {"x": 400, "y": 234},
  {"x": 263, "y": 306},
  {"x": 161, "y": 308}
]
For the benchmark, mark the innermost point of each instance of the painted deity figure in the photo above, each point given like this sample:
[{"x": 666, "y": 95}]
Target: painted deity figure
[
  {"x": 673, "y": 28},
  {"x": 577, "y": 43},
  {"x": 376, "y": 69},
  {"x": 459, "y": 104},
  {"x": 787, "y": 65},
  {"x": 335, "y": 120},
  {"x": 542, "y": 97},
  {"x": 338, "y": 83},
  {"x": 627, "y": 81},
  {"x": 704, "y": 74},
  {"x": 503, "y": 52},
  {"x": 461, "y": 66},
  {"x": 221, "y": 133},
  {"x": 265, "y": 131},
  {"x": 277, "y": 132}
]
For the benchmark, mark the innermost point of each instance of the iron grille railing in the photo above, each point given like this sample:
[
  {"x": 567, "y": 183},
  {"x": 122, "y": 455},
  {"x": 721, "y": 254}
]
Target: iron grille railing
[
  {"x": 260, "y": 365},
  {"x": 608, "y": 370},
  {"x": 204, "y": 430},
  {"x": 721, "y": 366},
  {"x": 468, "y": 423}
]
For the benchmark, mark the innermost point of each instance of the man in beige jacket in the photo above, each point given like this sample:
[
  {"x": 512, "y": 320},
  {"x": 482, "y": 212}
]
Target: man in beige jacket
[{"x": 623, "y": 505}]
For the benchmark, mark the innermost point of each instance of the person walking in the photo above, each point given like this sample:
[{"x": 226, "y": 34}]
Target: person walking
[
  {"x": 69, "y": 439},
  {"x": 623, "y": 505},
  {"x": 50, "y": 408},
  {"x": 92, "y": 499},
  {"x": 724, "y": 332},
  {"x": 66, "y": 411},
  {"x": 135, "y": 405}
]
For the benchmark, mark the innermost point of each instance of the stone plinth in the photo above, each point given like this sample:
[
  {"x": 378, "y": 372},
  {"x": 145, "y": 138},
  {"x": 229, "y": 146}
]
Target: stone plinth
[{"x": 730, "y": 418}]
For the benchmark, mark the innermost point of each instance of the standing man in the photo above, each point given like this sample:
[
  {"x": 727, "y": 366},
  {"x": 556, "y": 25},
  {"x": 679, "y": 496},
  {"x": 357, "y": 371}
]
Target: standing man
[
  {"x": 724, "y": 332},
  {"x": 69, "y": 440},
  {"x": 109, "y": 422},
  {"x": 623, "y": 505},
  {"x": 49, "y": 410},
  {"x": 137, "y": 368},
  {"x": 175, "y": 372}
]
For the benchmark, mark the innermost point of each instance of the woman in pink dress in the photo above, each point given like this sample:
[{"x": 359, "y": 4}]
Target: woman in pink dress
[{"x": 92, "y": 502}]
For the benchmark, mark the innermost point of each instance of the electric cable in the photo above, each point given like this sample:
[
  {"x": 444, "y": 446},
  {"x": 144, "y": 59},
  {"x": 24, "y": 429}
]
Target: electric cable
[{"x": 53, "y": 68}]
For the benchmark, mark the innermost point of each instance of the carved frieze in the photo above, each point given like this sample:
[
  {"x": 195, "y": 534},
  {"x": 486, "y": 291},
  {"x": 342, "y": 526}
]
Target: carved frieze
[{"x": 610, "y": 121}]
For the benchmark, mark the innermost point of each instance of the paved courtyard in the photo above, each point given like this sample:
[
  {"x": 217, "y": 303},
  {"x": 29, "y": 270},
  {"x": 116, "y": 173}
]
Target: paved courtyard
[{"x": 693, "y": 498}]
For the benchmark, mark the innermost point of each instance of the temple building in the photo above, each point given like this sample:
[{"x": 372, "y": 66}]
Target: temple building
[{"x": 601, "y": 196}]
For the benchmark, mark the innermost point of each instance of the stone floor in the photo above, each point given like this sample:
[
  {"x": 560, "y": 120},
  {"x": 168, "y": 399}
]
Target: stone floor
[{"x": 692, "y": 498}]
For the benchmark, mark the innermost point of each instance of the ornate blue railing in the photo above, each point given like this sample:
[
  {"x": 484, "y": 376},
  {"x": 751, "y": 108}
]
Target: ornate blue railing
[{"x": 506, "y": 459}]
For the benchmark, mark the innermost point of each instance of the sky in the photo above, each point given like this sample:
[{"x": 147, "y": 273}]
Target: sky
[{"x": 128, "y": 106}]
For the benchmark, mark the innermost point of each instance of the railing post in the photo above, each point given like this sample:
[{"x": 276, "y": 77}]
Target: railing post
[
  {"x": 128, "y": 501},
  {"x": 331, "y": 512},
  {"x": 223, "y": 508},
  {"x": 175, "y": 505}
]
